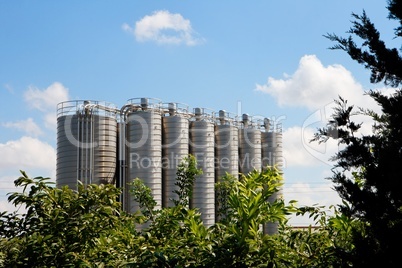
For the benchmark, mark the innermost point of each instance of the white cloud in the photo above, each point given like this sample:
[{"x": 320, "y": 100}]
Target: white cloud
[
  {"x": 7, "y": 186},
  {"x": 28, "y": 126},
  {"x": 47, "y": 99},
  {"x": 7, "y": 183},
  {"x": 298, "y": 151},
  {"x": 9, "y": 88},
  {"x": 293, "y": 149},
  {"x": 308, "y": 194},
  {"x": 27, "y": 152},
  {"x": 164, "y": 27},
  {"x": 313, "y": 86},
  {"x": 35, "y": 157},
  {"x": 6, "y": 206},
  {"x": 50, "y": 120}
]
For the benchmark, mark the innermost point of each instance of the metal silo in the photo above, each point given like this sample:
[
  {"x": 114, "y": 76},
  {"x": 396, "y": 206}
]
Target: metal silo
[
  {"x": 86, "y": 143},
  {"x": 175, "y": 143},
  {"x": 272, "y": 157},
  {"x": 226, "y": 145},
  {"x": 249, "y": 145},
  {"x": 226, "y": 154},
  {"x": 202, "y": 148},
  {"x": 144, "y": 142},
  {"x": 271, "y": 139}
]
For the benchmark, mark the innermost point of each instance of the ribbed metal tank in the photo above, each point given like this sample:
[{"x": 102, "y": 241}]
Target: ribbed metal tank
[
  {"x": 272, "y": 156},
  {"x": 226, "y": 154},
  {"x": 249, "y": 146},
  {"x": 175, "y": 143},
  {"x": 226, "y": 145},
  {"x": 202, "y": 148},
  {"x": 271, "y": 139},
  {"x": 86, "y": 143},
  {"x": 144, "y": 141}
]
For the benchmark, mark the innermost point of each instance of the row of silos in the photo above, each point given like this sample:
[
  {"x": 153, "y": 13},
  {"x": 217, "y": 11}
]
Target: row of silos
[{"x": 153, "y": 139}]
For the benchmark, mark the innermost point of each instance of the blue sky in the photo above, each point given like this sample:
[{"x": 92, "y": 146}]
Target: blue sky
[{"x": 262, "y": 57}]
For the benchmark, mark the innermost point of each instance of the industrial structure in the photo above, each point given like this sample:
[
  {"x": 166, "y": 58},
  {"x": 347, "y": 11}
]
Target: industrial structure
[{"x": 147, "y": 139}]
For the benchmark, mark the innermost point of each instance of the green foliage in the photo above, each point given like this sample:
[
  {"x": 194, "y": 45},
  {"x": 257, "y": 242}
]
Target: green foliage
[
  {"x": 383, "y": 62},
  {"x": 86, "y": 228},
  {"x": 248, "y": 202},
  {"x": 222, "y": 189},
  {"x": 323, "y": 245},
  {"x": 367, "y": 176},
  {"x": 368, "y": 169},
  {"x": 61, "y": 227},
  {"x": 143, "y": 195},
  {"x": 186, "y": 174},
  {"x": 247, "y": 209}
]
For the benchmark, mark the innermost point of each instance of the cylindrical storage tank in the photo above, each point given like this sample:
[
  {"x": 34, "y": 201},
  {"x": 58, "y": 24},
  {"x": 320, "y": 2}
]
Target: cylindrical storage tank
[
  {"x": 202, "y": 148},
  {"x": 69, "y": 164},
  {"x": 249, "y": 146},
  {"x": 144, "y": 142},
  {"x": 226, "y": 146},
  {"x": 175, "y": 143},
  {"x": 105, "y": 153},
  {"x": 226, "y": 154},
  {"x": 272, "y": 156},
  {"x": 86, "y": 143}
]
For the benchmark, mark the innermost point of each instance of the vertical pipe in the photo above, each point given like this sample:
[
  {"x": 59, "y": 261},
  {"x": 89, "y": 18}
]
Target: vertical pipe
[
  {"x": 86, "y": 150},
  {"x": 91, "y": 149},
  {"x": 82, "y": 160},
  {"x": 121, "y": 160},
  {"x": 78, "y": 149}
]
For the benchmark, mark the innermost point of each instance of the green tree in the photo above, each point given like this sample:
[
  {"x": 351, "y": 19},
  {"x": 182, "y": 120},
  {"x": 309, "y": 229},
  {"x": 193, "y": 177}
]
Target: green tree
[
  {"x": 176, "y": 236},
  {"x": 238, "y": 238},
  {"x": 384, "y": 63},
  {"x": 186, "y": 175},
  {"x": 319, "y": 245},
  {"x": 368, "y": 170},
  {"x": 86, "y": 228},
  {"x": 61, "y": 227}
]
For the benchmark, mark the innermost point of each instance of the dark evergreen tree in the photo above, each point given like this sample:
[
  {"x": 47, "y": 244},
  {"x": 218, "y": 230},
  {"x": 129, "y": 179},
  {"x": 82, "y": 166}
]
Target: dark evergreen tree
[
  {"x": 384, "y": 63},
  {"x": 368, "y": 170}
]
